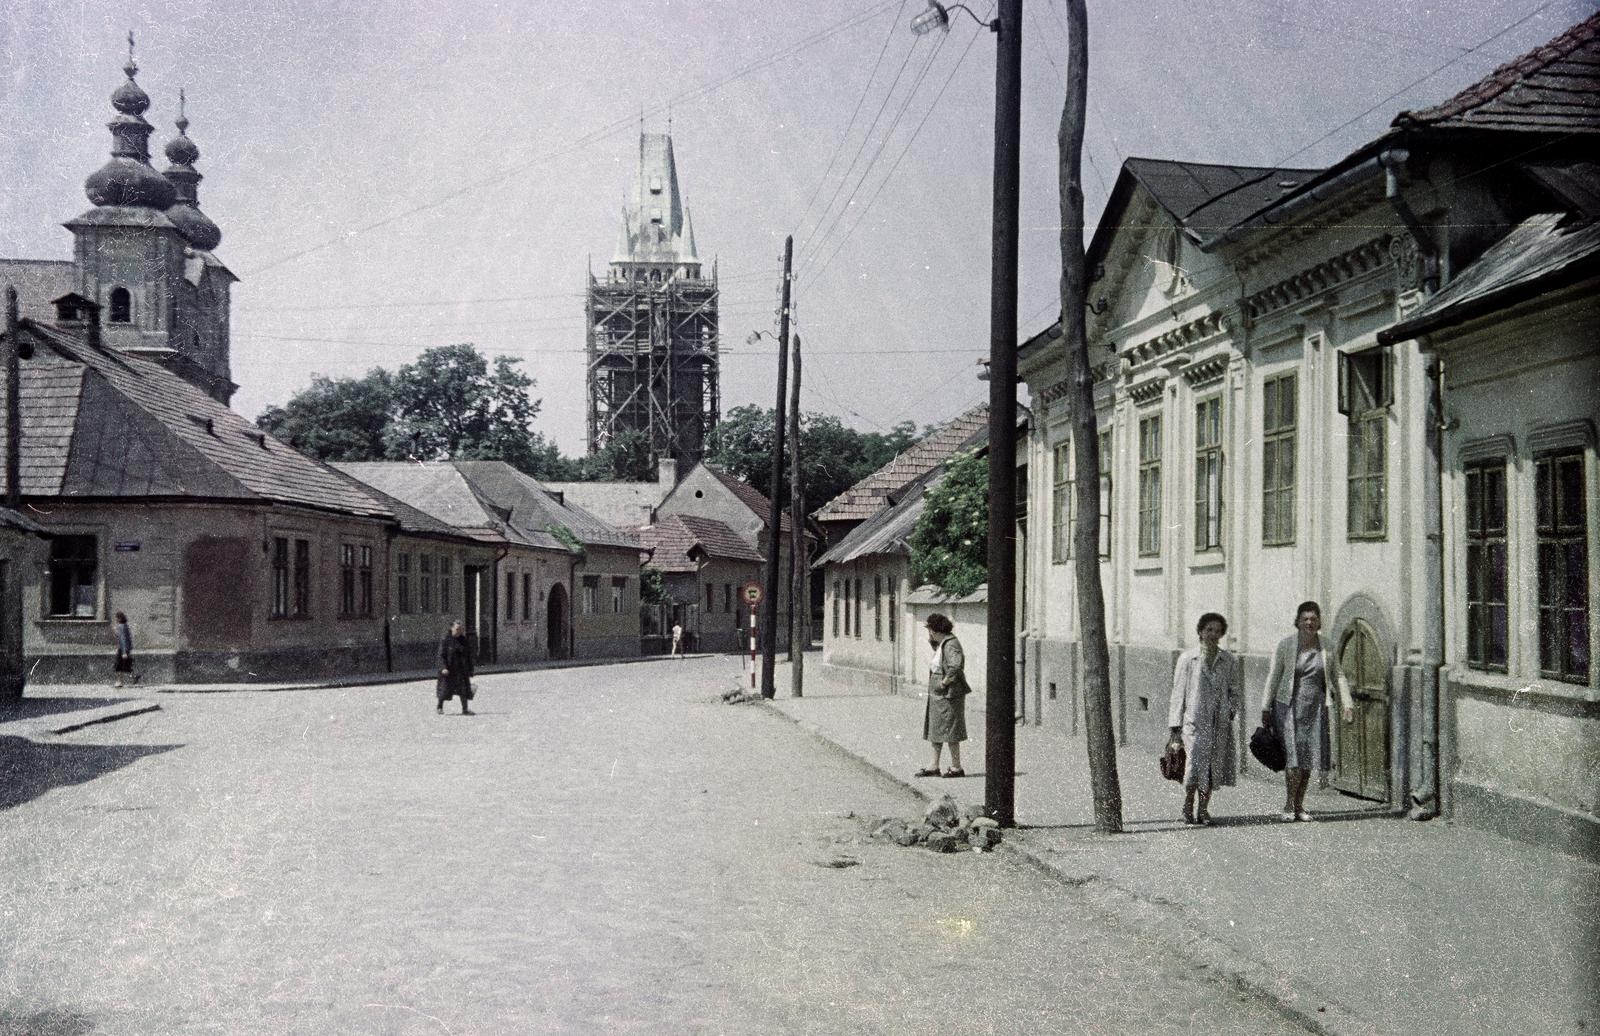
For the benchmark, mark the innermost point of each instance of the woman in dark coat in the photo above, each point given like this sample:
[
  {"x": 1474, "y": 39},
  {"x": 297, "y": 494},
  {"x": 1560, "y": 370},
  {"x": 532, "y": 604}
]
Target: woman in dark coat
[
  {"x": 945, "y": 721},
  {"x": 455, "y": 668}
]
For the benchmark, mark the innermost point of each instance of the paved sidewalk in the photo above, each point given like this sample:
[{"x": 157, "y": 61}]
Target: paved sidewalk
[{"x": 1361, "y": 922}]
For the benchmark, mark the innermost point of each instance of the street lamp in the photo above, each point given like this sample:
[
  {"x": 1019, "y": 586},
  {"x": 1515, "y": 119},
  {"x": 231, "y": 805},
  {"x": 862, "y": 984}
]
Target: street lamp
[{"x": 999, "y": 783}]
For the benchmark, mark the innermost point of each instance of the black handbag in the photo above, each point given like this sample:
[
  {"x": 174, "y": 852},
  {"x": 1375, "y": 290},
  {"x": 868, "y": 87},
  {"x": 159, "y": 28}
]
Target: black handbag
[
  {"x": 1174, "y": 761},
  {"x": 1266, "y": 744}
]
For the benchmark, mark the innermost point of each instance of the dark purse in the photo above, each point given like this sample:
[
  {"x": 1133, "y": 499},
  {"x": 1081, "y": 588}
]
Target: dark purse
[
  {"x": 1174, "y": 760},
  {"x": 1266, "y": 744}
]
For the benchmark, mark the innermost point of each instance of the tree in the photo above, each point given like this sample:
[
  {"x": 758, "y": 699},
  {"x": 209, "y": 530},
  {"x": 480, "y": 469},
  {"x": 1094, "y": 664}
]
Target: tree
[
  {"x": 626, "y": 458},
  {"x": 336, "y": 419},
  {"x": 1105, "y": 786},
  {"x": 950, "y": 542},
  {"x": 449, "y": 404}
]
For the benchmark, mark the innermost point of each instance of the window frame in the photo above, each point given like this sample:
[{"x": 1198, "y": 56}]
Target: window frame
[
  {"x": 364, "y": 581},
  {"x": 74, "y": 567},
  {"x": 1208, "y": 473},
  {"x": 1279, "y": 442},
  {"x": 1107, "y": 500},
  {"x": 591, "y": 595},
  {"x": 1558, "y": 543},
  {"x": 877, "y": 607},
  {"x": 402, "y": 582},
  {"x": 1061, "y": 488},
  {"x": 119, "y": 306},
  {"x": 1366, "y": 398},
  {"x": 347, "y": 580},
  {"x": 527, "y": 596},
  {"x": 1150, "y": 485},
  {"x": 446, "y": 565},
  {"x": 280, "y": 582},
  {"x": 425, "y": 583},
  {"x": 300, "y": 605},
  {"x": 1480, "y": 538},
  {"x": 619, "y": 595}
]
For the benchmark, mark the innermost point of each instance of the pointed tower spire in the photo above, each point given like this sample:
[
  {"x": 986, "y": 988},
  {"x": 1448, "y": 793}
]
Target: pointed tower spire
[
  {"x": 194, "y": 225},
  {"x": 128, "y": 179}
]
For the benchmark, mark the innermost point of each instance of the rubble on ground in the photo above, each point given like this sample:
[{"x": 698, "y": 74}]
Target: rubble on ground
[
  {"x": 739, "y": 696},
  {"x": 945, "y": 828}
]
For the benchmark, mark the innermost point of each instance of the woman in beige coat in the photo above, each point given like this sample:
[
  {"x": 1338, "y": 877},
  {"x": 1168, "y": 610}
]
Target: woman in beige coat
[
  {"x": 1204, "y": 704},
  {"x": 1296, "y": 700},
  {"x": 944, "y": 722}
]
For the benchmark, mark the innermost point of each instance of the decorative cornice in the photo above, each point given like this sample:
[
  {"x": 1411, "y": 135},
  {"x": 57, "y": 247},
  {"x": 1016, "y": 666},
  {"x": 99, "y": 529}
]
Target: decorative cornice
[
  {"x": 1207, "y": 371},
  {"x": 1487, "y": 448},
  {"x": 1148, "y": 390},
  {"x": 1057, "y": 391},
  {"x": 1363, "y": 258},
  {"x": 1567, "y": 434},
  {"x": 1193, "y": 333}
]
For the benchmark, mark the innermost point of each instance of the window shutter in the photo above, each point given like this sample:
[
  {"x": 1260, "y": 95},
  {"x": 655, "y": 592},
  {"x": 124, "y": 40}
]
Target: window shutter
[
  {"x": 1385, "y": 372},
  {"x": 1344, "y": 384}
]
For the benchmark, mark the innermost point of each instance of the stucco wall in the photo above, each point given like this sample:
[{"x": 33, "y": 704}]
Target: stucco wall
[{"x": 611, "y": 629}]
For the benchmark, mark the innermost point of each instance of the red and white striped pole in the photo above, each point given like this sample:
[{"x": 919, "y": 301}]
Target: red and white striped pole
[{"x": 753, "y": 641}]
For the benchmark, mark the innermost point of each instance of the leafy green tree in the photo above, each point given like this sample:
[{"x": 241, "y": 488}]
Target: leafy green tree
[
  {"x": 451, "y": 404},
  {"x": 336, "y": 419},
  {"x": 832, "y": 457},
  {"x": 950, "y": 542},
  {"x": 626, "y": 458}
]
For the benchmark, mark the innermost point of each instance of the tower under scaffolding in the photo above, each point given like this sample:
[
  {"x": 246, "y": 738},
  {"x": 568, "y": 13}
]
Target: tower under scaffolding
[{"x": 652, "y": 321}]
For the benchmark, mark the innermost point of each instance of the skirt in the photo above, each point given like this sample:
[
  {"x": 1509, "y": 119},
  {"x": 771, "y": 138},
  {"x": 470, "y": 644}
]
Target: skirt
[
  {"x": 1303, "y": 726},
  {"x": 945, "y": 720},
  {"x": 123, "y": 664}
]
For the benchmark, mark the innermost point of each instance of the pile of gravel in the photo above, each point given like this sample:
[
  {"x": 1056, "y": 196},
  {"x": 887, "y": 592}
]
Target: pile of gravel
[{"x": 945, "y": 828}]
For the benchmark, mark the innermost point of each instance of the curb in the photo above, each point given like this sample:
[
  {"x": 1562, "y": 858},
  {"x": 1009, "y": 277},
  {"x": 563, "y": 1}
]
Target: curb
[{"x": 1216, "y": 961}]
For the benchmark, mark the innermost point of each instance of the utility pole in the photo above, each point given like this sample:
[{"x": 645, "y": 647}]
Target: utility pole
[
  {"x": 13, "y": 355},
  {"x": 1102, "y": 747},
  {"x": 769, "y": 603},
  {"x": 999, "y": 782},
  {"x": 799, "y": 573}
]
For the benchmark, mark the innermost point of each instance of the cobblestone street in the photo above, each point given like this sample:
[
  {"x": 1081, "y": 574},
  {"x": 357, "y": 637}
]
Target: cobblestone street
[{"x": 598, "y": 850}]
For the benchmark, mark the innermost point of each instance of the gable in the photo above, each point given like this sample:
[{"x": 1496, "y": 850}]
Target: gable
[{"x": 702, "y": 493}]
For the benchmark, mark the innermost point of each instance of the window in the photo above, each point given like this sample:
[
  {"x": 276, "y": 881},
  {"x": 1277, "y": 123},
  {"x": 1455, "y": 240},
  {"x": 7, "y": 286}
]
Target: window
[
  {"x": 1278, "y": 405},
  {"x": 302, "y": 579},
  {"x": 1486, "y": 565},
  {"x": 1562, "y": 529},
  {"x": 591, "y": 595},
  {"x": 445, "y": 565},
  {"x": 1150, "y": 486},
  {"x": 121, "y": 306},
  {"x": 894, "y": 609},
  {"x": 74, "y": 562},
  {"x": 347, "y": 579},
  {"x": 280, "y": 577},
  {"x": 838, "y": 606},
  {"x": 511, "y": 596},
  {"x": 619, "y": 594},
  {"x": 1061, "y": 504},
  {"x": 727, "y": 597},
  {"x": 877, "y": 607},
  {"x": 402, "y": 583},
  {"x": 1106, "y": 443},
  {"x": 527, "y": 597},
  {"x": 1365, "y": 394},
  {"x": 365, "y": 580},
  {"x": 425, "y": 583},
  {"x": 711, "y": 595},
  {"x": 858, "y": 609},
  {"x": 1208, "y": 474}
]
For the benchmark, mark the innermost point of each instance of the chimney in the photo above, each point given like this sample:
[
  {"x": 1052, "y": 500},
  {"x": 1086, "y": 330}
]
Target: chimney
[
  {"x": 13, "y": 401},
  {"x": 667, "y": 472}
]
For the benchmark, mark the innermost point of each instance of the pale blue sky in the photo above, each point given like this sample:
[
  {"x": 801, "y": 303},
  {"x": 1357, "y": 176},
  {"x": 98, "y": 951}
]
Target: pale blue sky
[{"x": 499, "y": 140}]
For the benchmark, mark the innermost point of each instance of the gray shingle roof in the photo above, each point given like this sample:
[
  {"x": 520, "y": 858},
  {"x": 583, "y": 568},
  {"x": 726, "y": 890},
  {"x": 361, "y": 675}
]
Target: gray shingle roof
[
  {"x": 622, "y": 505},
  {"x": 886, "y": 532},
  {"x": 441, "y": 492},
  {"x": 1206, "y": 198},
  {"x": 533, "y": 510}
]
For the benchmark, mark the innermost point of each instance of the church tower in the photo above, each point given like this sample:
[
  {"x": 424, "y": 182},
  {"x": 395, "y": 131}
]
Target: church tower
[
  {"x": 143, "y": 253},
  {"x": 653, "y": 323}
]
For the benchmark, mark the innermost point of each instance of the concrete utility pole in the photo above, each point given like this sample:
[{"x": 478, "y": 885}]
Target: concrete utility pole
[
  {"x": 769, "y": 603},
  {"x": 1103, "y": 780},
  {"x": 799, "y": 574},
  {"x": 999, "y": 782}
]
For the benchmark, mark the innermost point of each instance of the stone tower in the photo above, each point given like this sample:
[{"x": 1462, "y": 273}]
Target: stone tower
[
  {"x": 652, "y": 322},
  {"x": 143, "y": 253}
]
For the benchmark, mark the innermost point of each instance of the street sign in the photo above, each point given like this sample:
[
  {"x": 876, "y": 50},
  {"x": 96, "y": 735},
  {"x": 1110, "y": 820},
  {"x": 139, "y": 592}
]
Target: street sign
[{"x": 751, "y": 592}]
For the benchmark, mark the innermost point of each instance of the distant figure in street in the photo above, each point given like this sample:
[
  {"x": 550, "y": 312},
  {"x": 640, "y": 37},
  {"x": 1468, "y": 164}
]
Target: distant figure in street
[
  {"x": 455, "y": 668},
  {"x": 945, "y": 720},
  {"x": 123, "y": 666},
  {"x": 677, "y": 640},
  {"x": 1204, "y": 704},
  {"x": 1296, "y": 700}
]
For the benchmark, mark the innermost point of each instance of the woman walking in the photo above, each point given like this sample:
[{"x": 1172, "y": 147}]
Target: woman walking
[
  {"x": 1204, "y": 704},
  {"x": 123, "y": 666},
  {"x": 945, "y": 720},
  {"x": 1299, "y": 692},
  {"x": 455, "y": 668}
]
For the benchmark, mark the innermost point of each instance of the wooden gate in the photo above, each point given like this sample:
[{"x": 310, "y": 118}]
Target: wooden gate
[{"x": 1362, "y": 753}]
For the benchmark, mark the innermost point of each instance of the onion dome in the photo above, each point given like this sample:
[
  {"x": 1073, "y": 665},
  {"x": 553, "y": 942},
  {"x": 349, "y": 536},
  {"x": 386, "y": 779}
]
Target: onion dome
[
  {"x": 185, "y": 214},
  {"x": 129, "y": 179}
]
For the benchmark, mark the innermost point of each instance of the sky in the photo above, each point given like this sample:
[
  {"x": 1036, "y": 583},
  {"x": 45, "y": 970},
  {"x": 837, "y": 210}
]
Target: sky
[{"x": 390, "y": 176}]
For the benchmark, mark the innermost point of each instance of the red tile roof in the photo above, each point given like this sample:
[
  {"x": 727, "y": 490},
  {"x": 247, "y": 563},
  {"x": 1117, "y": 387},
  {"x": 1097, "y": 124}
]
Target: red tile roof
[
  {"x": 1554, "y": 88},
  {"x": 871, "y": 494},
  {"x": 675, "y": 535}
]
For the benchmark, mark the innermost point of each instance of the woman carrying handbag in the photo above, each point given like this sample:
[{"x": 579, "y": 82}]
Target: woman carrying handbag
[{"x": 1203, "y": 706}]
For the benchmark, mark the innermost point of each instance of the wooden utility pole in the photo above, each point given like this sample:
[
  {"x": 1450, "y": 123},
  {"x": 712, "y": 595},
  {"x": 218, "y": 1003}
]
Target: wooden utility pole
[
  {"x": 1103, "y": 780},
  {"x": 799, "y": 572},
  {"x": 1000, "y": 739},
  {"x": 769, "y": 603},
  {"x": 13, "y": 497}
]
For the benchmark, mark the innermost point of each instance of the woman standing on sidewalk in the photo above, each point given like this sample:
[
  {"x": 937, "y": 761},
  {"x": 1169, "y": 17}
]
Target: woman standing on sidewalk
[
  {"x": 1204, "y": 704},
  {"x": 945, "y": 720},
  {"x": 455, "y": 668},
  {"x": 123, "y": 666},
  {"x": 1296, "y": 700}
]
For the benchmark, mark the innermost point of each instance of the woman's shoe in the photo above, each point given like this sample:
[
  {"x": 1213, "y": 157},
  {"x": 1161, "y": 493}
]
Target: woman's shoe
[
  {"x": 955, "y": 773},
  {"x": 1188, "y": 815},
  {"x": 1288, "y": 815},
  {"x": 439, "y": 708},
  {"x": 928, "y": 772},
  {"x": 1304, "y": 816},
  {"x": 1204, "y": 820}
]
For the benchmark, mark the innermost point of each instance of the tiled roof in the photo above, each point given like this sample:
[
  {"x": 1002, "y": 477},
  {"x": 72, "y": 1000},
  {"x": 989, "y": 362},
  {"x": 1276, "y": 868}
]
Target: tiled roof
[
  {"x": 758, "y": 502},
  {"x": 622, "y": 505},
  {"x": 1205, "y": 198},
  {"x": 1543, "y": 252},
  {"x": 672, "y": 538},
  {"x": 38, "y": 282},
  {"x": 718, "y": 540},
  {"x": 1554, "y": 88},
  {"x": 871, "y": 494},
  {"x": 97, "y": 422},
  {"x": 534, "y": 511},
  {"x": 889, "y": 530}
]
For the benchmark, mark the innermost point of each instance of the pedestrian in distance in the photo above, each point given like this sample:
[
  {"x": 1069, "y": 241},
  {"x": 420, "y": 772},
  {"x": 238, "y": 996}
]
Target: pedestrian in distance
[
  {"x": 1296, "y": 700},
  {"x": 944, "y": 722},
  {"x": 677, "y": 640},
  {"x": 123, "y": 665},
  {"x": 1201, "y": 712},
  {"x": 455, "y": 668}
]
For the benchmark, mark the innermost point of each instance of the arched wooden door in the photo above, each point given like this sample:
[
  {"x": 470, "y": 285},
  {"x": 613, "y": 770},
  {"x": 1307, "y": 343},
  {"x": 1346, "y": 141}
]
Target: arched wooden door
[{"x": 1362, "y": 753}]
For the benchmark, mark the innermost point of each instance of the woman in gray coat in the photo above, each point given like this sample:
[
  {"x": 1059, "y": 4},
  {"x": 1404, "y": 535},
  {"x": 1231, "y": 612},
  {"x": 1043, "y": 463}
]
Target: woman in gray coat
[
  {"x": 945, "y": 720},
  {"x": 1204, "y": 704},
  {"x": 1300, "y": 687}
]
